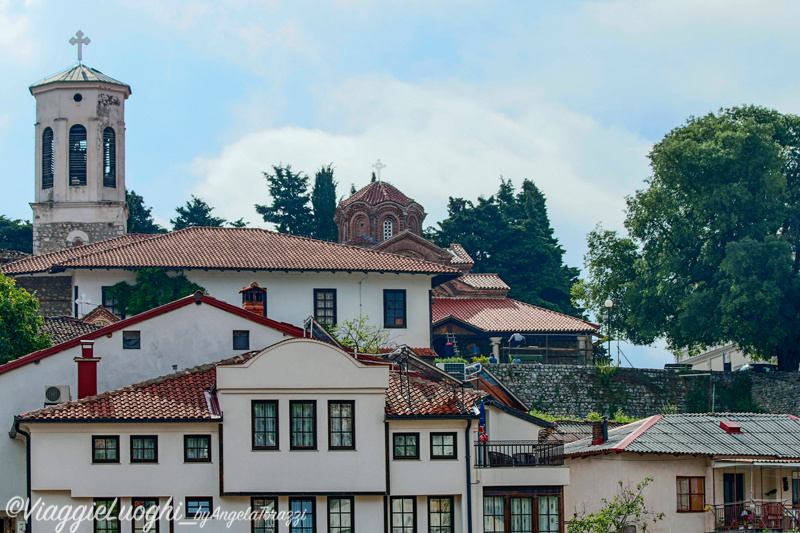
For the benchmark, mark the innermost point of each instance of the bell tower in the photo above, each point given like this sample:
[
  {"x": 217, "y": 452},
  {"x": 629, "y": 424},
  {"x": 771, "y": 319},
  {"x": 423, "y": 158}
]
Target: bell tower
[{"x": 80, "y": 157}]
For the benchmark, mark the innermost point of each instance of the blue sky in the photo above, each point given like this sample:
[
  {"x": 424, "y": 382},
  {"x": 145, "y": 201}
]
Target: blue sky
[{"x": 448, "y": 94}]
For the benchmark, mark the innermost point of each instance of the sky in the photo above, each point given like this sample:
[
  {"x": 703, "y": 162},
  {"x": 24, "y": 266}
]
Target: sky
[{"x": 449, "y": 94}]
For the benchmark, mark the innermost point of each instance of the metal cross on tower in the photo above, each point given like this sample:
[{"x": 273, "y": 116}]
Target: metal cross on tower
[
  {"x": 80, "y": 41},
  {"x": 378, "y": 167}
]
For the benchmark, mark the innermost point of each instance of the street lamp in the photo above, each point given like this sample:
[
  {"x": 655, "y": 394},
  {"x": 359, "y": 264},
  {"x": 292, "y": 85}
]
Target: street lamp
[{"x": 609, "y": 304}]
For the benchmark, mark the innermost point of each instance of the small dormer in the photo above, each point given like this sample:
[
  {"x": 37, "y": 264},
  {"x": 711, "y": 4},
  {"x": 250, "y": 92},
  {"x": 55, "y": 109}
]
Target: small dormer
[{"x": 254, "y": 299}]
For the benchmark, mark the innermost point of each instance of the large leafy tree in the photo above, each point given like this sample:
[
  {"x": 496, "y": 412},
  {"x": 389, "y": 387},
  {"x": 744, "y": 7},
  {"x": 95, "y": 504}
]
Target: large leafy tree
[
  {"x": 196, "y": 212},
  {"x": 140, "y": 217},
  {"x": 711, "y": 251},
  {"x": 510, "y": 233},
  {"x": 19, "y": 322},
  {"x": 323, "y": 201},
  {"x": 16, "y": 234},
  {"x": 154, "y": 287},
  {"x": 290, "y": 211}
]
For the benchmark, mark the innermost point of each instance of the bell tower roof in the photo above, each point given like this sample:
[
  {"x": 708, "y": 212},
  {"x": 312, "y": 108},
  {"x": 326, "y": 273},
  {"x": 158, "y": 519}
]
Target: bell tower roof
[{"x": 79, "y": 73}]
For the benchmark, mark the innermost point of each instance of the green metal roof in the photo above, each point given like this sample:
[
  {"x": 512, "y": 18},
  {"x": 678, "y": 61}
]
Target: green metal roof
[{"x": 79, "y": 73}]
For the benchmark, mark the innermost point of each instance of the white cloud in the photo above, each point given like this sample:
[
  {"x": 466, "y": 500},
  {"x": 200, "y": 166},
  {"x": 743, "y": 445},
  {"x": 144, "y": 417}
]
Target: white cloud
[{"x": 16, "y": 43}]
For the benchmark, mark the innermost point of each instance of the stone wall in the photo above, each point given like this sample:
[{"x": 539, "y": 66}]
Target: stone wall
[
  {"x": 53, "y": 292},
  {"x": 576, "y": 391},
  {"x": 53, "y": 236}
]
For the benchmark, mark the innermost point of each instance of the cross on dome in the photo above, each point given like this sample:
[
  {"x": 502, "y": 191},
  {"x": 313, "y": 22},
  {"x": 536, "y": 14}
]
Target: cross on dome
[
  {"x": 80, "y": 41},
  {"x": 378, "y": 167}
]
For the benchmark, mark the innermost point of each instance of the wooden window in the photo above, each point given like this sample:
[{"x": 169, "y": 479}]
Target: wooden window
[
  {"x": 110, "y": 303},
  {"x": 406, "y": 445},
  {"x": 77, "y": 155},
  {"x": 265, "y": 511},
  {"x": 494, "y": 514},
  {"x": 443, "y": 446},
  {"x": 106, "y": 515},
  {"x": 522, "y": 515},
  {"x": 404, "y": 515},
  {"x": 325, "y": 306},
  {"x": 549, "y": 514},
  {"x": 146, "y": 520},
  {"x": 691, "y": 494},
  {"x": 440, "y": 514},
  {"x": 131, "y": 340},
  {"x": 265, "y": 424},
  {"x": 199, "y": 506},
  {"x": 241, "y": 339},
  {"x": 109, "y": 157},
  {"x": 341, "y": 425},
  {"x": 340, "y": 515},
  {"x": 394, "y": 308},
  {"x": 48, "y": 158},
  {"x": 105, "y": 449},
  {"x": 303, "y": 516},
  {"x": 522, "y": 510},
  {"x": 144, "y": 449},
  {"x": 303, "y": 425},
  {"x": 197, "y": 448}
]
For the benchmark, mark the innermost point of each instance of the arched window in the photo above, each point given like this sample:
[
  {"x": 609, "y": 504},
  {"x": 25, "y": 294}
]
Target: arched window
[
  {"x": 387, "y": 229},
  {"x": 109, "y": 158},
  {"x": 48, "y": 161},
  {"x": 77, "y": 155}
]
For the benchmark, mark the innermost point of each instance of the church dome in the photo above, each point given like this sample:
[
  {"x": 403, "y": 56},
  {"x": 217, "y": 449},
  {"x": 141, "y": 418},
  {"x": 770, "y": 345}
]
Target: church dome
[
  {"x": 79, "y": 73},
  {"x": 377, "y": 193}
]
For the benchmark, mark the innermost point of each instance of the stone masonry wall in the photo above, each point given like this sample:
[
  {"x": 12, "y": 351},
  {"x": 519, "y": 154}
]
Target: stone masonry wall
[
  {"x": 578, "y": 390},
  {"x": 53, "y": 292},
  {"x": 53, "y": 237}
]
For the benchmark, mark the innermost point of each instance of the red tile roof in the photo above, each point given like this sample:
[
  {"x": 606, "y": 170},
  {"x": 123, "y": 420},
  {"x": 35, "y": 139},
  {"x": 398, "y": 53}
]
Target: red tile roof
[
  {"x": 484, "y": 281},
  {"x": 460, "y": 255},
  {"x": 65, "y": 328},
  {"x": 229, "y": 248},
  {"x": 505, "y": 314},
  {"x": 7, "y": 256},
  {"x": 415, "y": 395},
  {"x": 376, "y": 193}
]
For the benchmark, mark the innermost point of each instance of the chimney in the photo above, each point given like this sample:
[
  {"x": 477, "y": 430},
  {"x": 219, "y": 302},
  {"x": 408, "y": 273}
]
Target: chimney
[
  {"x": 254, "y": 299},
  {"x": 87, "y": 370},
  {"x": 599, "y": 431},
  {"x": 730, "y": 428}
]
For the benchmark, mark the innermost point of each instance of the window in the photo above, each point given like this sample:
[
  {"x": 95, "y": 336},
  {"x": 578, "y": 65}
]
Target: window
[
  {"x": 394, "y": 308},
  {"x": 325, "y": 306},
  {"x": 406, "y": 445},
  {"x": 144, "y": 449},
  {"x": 146, "y": 520},
  {"x": 522, "y": 515},
  {"x": 387, "y": 229},
  {"x": 48, "y": 159},
  {"x": 303, "y": 424},
  {"x": 443, "y": 445},
  {"x": 197, "y": 448},
  {"x": 265, "y": 424},
  {"x": 522, "y": 510},
  {"x": 494, "y": 514},
  {"x": 264, "y": 513},
  {"x": 404, "y": 515},
  {"x": 105, "y": 449},
  {"x": 110, "y": 303},
  {"x": 241, "y": 340},
  {"x": 131, "y": 340},
  {"x": 109, "y": 158},
  {"x": 548, "y": 514},
  {"x": 303, "y": 520},
  {"x": 75, "y": 299},
  {"x": 197, "y": 507},
  {"x": 440, "y": 514},
  {"x": 340, "y": 515},
  {"x": 691, "y": 494},
  {"x": 77, "y": 155},
  {"x": 106, "y": 515},
  {"x": 341, "y": 425}
]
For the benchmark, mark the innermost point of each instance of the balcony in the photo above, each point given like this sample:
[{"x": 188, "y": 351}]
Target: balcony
[
  {"x": 518, "y": 453},
  {"x": 756, "y": 515}
]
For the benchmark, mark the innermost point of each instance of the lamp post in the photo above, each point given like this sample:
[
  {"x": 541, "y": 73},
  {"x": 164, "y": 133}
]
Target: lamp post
[{"x": 609, "y": 304}]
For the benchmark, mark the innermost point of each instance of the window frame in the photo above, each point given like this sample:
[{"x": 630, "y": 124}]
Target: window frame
[
  {"x": 155, "y": 449},
  {"x": 506, "y": 494},
  {"x": 208, "y": 499},
  {"x": 95, "y": 460},
  {"x": 352, "y": 513},
  {"x": 138, "y": 336},
  {"x": 678, "y": 494},
  {"x": 292, "y": 446},
  {"x": 79, "y": 164},
  {"x": 111, "y": 305},
  {"x": 133, "y": 509},
  {"x": 352, "y": 405},
  {"x": 413, "y": 512},
  {"x": 454, "y": 455},
  {"x": 186, "y": 458},
  {"x": 240, "y": 332},
  {"x": 386, "y": 324},
  {"x": 114, "y": 506},
  {"x": 452, "y": 514},
  {"x": 109, "y": 161},
  {"x": 253, "y": 500},
  {"x": 253, "y": 425},
  {"x": 316, "y": 308},
  {"x": 313, "y": 500},
  {"x": 394, "y": 447},
  {"x": 48, "y": 158}
]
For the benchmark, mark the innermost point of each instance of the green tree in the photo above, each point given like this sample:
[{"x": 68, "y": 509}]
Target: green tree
[
  {"x": 323, "y": 201},
  {"x": 140, "y": 218},
  {"x": 16, "y": 234},
  {"x": 19, "y": 322},
  {"x": 154, "y": 287},
  {"x": 510, "y": 233},
  {"x": 626, "y": 508},
  {"x": 710, "y": 254},
  {"x": 360, "y": 335},
  {"x": 196, "y": 213},
  {"x": 290, "y": 211}
]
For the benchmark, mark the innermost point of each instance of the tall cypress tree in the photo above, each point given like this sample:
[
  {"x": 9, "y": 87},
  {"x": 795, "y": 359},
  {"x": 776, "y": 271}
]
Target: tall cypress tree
[
  {"x": 140, "y": 217},
  {"x": 195, "y": 213},
  {"x": 323, "y": 201},
  {"x": 289, "y": 211}
]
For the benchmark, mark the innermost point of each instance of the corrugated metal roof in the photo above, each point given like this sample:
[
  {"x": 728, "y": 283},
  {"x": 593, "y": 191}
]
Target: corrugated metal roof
[{"x": 79, "y": 73}]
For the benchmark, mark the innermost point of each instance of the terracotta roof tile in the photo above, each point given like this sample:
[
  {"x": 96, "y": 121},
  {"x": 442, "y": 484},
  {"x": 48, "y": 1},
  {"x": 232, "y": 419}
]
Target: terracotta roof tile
[
  {"x": 505, "y": 314},
  {"x": 64, "y": 328},
  {"x": 460, "y": 255},
  {"x": 484, "y": 281},
  {"x": 376, "y": 193},
  {"x": 415, "y": 395},
  {"x": 235, "y": 248},
  {"x": 7, "y": 256}
]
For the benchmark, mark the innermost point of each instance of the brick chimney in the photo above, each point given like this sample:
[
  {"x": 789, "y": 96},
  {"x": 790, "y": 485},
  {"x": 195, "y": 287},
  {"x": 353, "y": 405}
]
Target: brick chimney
[
  {"x": 87, "y": 370},
  {"x": 254, "y": 299},
  {"x": 599, "y": 431}
]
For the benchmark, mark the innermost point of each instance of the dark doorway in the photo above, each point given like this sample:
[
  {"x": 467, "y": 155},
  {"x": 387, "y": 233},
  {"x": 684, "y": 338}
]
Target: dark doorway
[{"x": 733, "y": 492}]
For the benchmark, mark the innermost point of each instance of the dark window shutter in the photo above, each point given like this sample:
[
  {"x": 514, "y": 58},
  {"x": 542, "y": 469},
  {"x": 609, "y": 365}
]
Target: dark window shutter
[
  {"x": 48, "y": 159},
  {"x": 109, "y": 158},
  {"x": 77, "y": 155}
]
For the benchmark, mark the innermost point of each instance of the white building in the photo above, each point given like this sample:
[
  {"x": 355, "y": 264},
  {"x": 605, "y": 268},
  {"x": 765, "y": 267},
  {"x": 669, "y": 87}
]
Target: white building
[
  {"x": 360, "y": 445},
  {"x": 715, "y": 358}
]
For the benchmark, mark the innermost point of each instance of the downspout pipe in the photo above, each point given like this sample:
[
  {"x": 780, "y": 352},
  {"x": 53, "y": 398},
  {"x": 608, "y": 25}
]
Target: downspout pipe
[
  {"x": 469, "y": 476},
  {"x": 388, "y": 478},
  {"x": 12, "y": 434}
]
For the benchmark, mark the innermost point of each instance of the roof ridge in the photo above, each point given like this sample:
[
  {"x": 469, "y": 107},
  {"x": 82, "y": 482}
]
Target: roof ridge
[{"x": 153, "y": 236}]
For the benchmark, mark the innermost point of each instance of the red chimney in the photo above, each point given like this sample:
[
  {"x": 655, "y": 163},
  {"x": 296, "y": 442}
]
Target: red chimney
[
  {"x": 254, "y": 299},
  {"x": 730, "y": 427},
  {"x": 599, "y": 431},
  {"x": 87, "y": 370}
]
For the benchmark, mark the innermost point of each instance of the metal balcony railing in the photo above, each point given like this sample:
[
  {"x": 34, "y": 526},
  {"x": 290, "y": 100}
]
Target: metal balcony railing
[
  {"x": 518, "y": 453},
  {"x": 755, "y": 514}
]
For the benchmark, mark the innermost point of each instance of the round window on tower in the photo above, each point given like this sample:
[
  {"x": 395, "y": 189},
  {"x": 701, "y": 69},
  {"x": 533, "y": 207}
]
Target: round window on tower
[{"x": 77, "y": 97}]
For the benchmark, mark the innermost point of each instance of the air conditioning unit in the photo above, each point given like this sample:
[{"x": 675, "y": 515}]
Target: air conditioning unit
[
  {"x": 55, "y": 394},
  {"x": 457, "y": 370}
]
